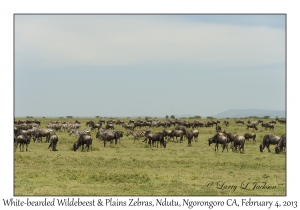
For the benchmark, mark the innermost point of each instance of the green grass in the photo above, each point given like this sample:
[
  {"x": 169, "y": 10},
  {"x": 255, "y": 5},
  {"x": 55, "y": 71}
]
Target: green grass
[{"x": 137, "y": 169}]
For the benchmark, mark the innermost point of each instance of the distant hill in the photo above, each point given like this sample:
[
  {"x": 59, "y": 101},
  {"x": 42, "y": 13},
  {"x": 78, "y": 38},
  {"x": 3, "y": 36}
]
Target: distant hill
[{"x": 238, "y": 113}]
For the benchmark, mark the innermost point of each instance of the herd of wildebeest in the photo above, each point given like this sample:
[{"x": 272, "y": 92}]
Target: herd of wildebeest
[{"x": 25, "y": 130}]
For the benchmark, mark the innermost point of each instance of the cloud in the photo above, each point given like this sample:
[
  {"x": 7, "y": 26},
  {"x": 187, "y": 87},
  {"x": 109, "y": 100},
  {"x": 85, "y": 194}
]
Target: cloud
[{"x": 116, "y": 40}]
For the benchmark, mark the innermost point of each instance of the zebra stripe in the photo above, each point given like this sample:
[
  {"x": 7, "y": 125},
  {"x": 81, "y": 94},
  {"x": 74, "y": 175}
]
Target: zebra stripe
[
  {"x": 79, "y": 132},
  {"x": 136, "y": 133}
]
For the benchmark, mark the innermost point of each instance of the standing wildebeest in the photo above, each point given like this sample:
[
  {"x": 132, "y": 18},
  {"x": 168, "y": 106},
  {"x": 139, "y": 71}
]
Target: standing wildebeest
[
  {"x": 83, "y": 140},
  {"x": 226, "y": 123},
  {"x": 230, "y": 137},
  {"x": 189, "y": 135},
  {"x": 250, "y": 136},
  {"x": 219, "y": 138},
  {"x": 251, "y": 125},
  {"x": 281, "y": 144},
  {"x": 110, "y": 126},
  {"x": 39, "y": 133},
  {"x": 22, "y": 140},
  {"x": 168, "y": 134},
  {"x": 156, "y": 137},
  {"x": 108, "y": 135},
  {"x": 53, "y": 142},
  {"x": 267, "y": 140},
  {"x": 195, "y": 134},
  {"x": 218, "y": 128},
  {"x": 239, "y": 141},
  {"x": 239, "y": 122},
  {"x": 178, "y": 133}
]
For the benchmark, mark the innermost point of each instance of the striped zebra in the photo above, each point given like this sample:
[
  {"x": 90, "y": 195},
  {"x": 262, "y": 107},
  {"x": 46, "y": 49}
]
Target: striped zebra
[
  {"x": 137, "y": 134},
  {"x": 79, "y": 132}
]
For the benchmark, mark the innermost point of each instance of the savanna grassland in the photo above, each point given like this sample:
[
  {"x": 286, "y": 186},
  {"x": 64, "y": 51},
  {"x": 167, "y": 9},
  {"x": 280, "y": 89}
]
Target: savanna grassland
[{"x": 133, "y": 169}]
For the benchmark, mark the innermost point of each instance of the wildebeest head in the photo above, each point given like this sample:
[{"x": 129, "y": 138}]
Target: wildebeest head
[
  {"x": 75, "y": 146},
  {"x": 210, "y": 141},
  {"x": 261, "y": 148},
  {"x": 277, "y": 149}
]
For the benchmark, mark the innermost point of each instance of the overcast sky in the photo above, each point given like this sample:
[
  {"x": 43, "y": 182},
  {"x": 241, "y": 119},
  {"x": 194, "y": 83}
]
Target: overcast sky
[{"x": 154, "y": 65}]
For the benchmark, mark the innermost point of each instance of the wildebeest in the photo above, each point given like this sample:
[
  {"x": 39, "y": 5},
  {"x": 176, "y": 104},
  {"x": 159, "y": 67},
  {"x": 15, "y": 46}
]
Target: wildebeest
[
  {"x": 156, "y": 138},
  {"x": 110, "y": 126},
  {"x": 127, "y": 126},
  {"x": 83, "y": 140},
  {"x": 239, "y": 122},
  {"x": 250, "y": 136},
  {"x": 218, "y": 128},
  {"x": 22, "y": 140},
  {"x": 239, "y": 141},
  {"x": 168, "y": 134},
  {"x": 281, "y": 144},
  {"x": 226, "y": 123},
  {"x": 39, "y": 133},
  {"x": 268, "y": 125},
  {"x": 267, "y": 140},
  {"x": 251, "y": 125},
  {"x": 230, "y": 137},
  {"x": 53, "y": 142},
  {"x": 195, "y": 134},
  {"x": 219, "y": 138},
  {"x": 181, "y": 127},
  {"x": 108, "y": 135},
  {"x": 189, "y": 135},
  {"x": 178, "y": 133}
]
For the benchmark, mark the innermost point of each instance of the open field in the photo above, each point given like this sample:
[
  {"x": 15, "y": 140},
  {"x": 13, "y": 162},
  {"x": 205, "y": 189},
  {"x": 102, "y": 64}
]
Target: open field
[{"x": 138, "y": 169}]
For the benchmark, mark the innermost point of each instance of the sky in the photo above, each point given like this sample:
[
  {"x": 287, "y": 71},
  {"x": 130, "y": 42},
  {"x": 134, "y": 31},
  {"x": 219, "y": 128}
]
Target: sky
[{"x": 150, "y": 65}]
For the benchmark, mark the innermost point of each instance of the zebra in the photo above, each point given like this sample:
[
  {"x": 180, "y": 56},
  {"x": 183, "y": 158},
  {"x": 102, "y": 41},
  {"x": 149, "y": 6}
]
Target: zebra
[
  {"x": 79, "y": 132},
  {"x": 137, "y": 133}
]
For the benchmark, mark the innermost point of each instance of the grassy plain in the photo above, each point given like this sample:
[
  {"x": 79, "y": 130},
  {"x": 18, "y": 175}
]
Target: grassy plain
[{"x": 132, "y": 169}]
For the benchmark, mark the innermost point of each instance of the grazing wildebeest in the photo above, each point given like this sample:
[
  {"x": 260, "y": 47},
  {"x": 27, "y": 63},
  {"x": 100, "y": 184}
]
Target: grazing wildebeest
[
  {"x": 156, "y": 137},
  {"x": 239, "y": 141},
  {"x": 53, "y": 142},
  {"x": 281, "y": 144},
  {"x": 83, "y": 140},
  {"x": 267, "y": 140},
  {"x": 250, "y": 136},
  {"x": 251, "y": 125},
  {"x": 219, "y": 138},
  {"x": 22, "y": 140}
]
